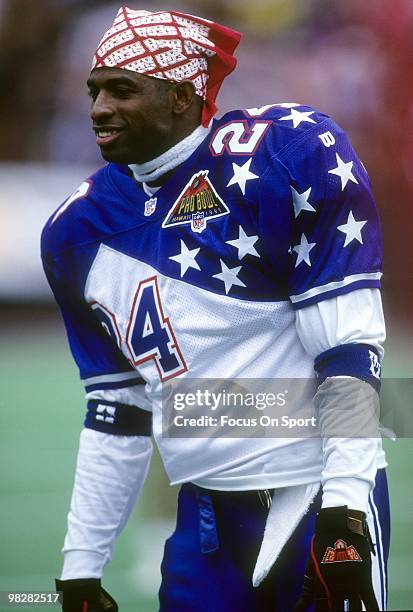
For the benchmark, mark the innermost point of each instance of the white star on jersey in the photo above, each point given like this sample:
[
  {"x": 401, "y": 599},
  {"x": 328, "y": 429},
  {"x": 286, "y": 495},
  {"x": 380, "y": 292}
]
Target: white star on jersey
[
  {"x": 345, "y": 171},
  {"x": 186, "y": 258},
  {"x": 300, "y": 201},
  {"x": 244, "y": 244},
  {"x": 303, "y": 251},
  {"x": 229, "y": 276},
  {"x": 352, "y": 229},
  {"x": 242, "y": 174},
  {"x": 298, "y": 117}
]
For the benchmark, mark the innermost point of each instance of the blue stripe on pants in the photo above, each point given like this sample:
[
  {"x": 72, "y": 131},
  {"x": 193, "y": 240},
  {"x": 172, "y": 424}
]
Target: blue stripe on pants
[{"x": 380, "y": 531}]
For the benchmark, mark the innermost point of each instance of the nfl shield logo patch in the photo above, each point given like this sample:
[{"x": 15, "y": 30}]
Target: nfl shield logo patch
[
  {"x": 198, "y": 222},
  {"x": 197, "y": 204},
  {"x": 150, "y": 207}
]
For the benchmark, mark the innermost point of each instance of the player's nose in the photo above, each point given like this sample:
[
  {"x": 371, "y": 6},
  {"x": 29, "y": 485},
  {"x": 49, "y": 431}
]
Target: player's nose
[{"x": 102, "y": 107}]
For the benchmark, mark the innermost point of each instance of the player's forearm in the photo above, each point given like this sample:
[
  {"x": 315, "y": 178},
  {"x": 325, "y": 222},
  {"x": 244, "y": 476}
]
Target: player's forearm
[
  {"x": 345, "y": 335},
  {"x": 348, "y": 413},
  {"x": 350, "y": 491},
  {"x": 110, "y": 472}
]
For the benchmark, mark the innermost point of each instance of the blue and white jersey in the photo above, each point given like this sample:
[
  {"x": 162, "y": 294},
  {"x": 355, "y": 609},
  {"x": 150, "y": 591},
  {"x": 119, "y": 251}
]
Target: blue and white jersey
[{"x": 271, "y": 213}]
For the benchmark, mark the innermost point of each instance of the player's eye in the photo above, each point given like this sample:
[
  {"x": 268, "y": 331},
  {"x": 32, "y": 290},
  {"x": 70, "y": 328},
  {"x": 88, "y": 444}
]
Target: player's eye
[
  {"x": 122, "y": 91},
  {"x": 93, "y": 94}
]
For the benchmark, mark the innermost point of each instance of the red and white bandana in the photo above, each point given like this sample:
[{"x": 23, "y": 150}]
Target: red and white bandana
[{"x": 172, "y": 46}]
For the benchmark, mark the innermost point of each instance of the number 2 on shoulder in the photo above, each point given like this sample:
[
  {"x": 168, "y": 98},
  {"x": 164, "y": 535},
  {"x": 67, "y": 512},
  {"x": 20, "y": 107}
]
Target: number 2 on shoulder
[{"x": 238, "y": 137}]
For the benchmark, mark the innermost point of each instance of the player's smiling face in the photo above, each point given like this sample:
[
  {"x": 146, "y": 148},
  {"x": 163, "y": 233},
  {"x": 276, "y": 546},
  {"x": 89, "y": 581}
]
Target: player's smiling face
[{"x": 131, "y": 115}]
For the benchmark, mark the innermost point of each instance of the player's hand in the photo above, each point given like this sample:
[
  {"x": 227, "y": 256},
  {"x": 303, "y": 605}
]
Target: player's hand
[
  {"x": 85, "y": 595},
  {"x": 338, "y": 573}
]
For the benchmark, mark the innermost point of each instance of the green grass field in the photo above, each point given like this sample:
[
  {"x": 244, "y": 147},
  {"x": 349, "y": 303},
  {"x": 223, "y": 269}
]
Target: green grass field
[{"x": 42, "y": 410}]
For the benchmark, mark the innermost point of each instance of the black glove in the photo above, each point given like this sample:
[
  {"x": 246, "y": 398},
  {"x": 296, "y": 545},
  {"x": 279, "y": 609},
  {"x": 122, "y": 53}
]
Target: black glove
[
  {"x": 85, "y": 595},
  {"x": 339, "y": 565}
]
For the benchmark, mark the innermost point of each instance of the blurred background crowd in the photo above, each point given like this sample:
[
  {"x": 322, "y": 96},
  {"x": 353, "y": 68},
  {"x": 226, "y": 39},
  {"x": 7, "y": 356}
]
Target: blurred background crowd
[{"x": 350, "y": 58}]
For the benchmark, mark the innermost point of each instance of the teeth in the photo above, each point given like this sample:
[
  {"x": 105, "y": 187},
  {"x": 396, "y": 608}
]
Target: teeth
[{"x": 106, "y": 133}]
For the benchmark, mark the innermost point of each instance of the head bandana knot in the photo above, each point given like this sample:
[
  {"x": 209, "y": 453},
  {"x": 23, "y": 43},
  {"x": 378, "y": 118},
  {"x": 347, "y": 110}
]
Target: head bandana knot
[{"x": 172, "y": 46}]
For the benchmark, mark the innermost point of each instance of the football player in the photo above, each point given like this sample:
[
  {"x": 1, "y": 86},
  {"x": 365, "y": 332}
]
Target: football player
[{"x": 241, "y": 248}]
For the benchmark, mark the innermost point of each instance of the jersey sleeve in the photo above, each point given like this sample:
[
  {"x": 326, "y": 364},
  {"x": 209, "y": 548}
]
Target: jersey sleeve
[
  {"x": 117, "y": 402},
  {"x": 335, "y": 249},
  {"x": 335, "y": 238}
]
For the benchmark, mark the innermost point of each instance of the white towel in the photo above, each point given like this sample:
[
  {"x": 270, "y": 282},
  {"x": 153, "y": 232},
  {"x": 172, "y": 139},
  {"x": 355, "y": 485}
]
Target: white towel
[{"x": 288, "y": 507}]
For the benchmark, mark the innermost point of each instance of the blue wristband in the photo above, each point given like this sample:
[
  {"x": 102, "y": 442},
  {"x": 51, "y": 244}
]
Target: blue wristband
[
  {"x": 357, "y": 360},
  {"x": 119, "y": 419}
]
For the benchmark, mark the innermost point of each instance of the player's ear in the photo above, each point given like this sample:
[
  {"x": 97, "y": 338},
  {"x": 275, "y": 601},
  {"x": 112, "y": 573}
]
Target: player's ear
[{"x": 183, "y": 96}]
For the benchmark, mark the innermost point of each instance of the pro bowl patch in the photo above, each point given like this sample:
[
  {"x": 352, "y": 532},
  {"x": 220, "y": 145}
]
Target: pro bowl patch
[
  {"x": 197, "y": 204},
  {"x": 341, "y": 553}
]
